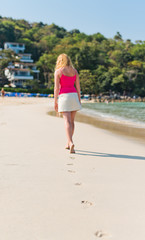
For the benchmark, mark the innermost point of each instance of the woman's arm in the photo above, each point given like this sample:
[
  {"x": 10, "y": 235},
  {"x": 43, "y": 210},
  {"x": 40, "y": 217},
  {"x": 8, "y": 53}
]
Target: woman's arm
[
  {"x": 56, "y": 89},
  {"x": 78, "y": 86}
]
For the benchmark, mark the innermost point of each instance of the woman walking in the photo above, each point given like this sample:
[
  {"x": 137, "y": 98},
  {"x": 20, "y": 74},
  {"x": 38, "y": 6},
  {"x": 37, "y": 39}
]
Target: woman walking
[{"x": 66, "y": 97}]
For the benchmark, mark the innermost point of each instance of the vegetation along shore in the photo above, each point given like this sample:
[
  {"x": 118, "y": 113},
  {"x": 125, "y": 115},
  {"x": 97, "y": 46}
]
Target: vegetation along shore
[{"x": 105, "y": 65}]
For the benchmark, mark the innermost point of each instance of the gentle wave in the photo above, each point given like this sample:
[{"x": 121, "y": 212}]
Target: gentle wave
[{"x": 125, "y": 113}]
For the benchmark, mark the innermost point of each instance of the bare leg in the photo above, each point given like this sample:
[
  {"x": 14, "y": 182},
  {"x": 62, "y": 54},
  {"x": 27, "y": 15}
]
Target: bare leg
[
  {"x": 68, "y": 126},
  {"x": 72, "y": 121},
  {"x": 72, "y": 126}
]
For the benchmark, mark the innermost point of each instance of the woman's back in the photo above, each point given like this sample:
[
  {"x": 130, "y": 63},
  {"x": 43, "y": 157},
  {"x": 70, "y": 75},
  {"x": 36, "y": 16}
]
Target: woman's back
[
  {"x": 67, "y": 80},
  {"x": 68, "y": 71}
]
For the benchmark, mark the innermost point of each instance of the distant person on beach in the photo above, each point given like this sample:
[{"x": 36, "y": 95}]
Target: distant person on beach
[
  {"x": 67, "y": 98},
  {"x": 2, "y": 92}
]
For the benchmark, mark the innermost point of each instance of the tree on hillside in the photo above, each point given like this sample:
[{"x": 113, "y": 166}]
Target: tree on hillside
[
  {"x": 118, "y": 36},
  {"x": 87, "y": 58},
  {"x": 7, "y": 32},
  {"x": 46, "y": 65},
  {"x": 98, "y": 37},
  {"x": 6, "y": 57},
  {"x": 87, "y": 82}
]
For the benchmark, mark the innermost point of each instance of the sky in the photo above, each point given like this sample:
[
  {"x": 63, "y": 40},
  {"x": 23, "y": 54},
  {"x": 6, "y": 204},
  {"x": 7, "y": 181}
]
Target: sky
[{"x": 89, "y": 16}]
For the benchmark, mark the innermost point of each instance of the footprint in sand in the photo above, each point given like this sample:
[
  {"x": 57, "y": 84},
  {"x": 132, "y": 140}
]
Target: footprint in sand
[
  {"x": 3, "y": 123},
  {"x": 72, "y": 157},
  {"x": 71, "y": 171},
  {"x": 78, "y": 184},
  {"x": 100, "y": 234},
  {"x": 86, "y": 203}
]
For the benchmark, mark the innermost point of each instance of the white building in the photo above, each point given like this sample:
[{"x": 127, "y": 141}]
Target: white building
[
  {"x": 16, "y": 47},
  {"x": 22, "y": 70},
  {"x": 25, "y": 57}
]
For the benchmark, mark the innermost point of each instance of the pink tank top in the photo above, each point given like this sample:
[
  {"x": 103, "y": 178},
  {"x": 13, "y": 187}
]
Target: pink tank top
[{"x": 67, "y": 84}]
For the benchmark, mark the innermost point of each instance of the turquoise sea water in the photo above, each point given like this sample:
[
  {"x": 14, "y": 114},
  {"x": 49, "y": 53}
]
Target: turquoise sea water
[{"x": 124, "y": 112}]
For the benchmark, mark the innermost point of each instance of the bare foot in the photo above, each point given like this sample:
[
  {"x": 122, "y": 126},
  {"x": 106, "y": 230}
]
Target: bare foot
[
  {"x": 72, "y": 148},
  {"x": 67, "y": 147}
]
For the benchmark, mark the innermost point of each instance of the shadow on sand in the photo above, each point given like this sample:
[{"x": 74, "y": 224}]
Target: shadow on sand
[{"x": 98, "y": 154}]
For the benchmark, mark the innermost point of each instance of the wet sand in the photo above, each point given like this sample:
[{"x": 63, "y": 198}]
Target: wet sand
[{"x": 117, "y": 128}]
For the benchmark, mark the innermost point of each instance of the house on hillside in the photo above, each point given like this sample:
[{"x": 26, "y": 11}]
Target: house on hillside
[
  {"x": 19, "y": 72},
  {"x": 16, "y": 47}
]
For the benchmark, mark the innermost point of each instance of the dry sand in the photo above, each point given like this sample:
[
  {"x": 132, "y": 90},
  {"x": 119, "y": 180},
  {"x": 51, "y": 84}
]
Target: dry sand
[{"x": 48, "y": 194}]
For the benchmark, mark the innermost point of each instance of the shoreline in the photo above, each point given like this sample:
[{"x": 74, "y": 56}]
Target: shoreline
[
  {"x": 114, "y": 127},
  {"x": 130, "y": 131}
]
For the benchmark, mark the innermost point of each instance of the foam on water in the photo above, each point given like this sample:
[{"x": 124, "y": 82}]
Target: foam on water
[{"x": 126, "y": 113}]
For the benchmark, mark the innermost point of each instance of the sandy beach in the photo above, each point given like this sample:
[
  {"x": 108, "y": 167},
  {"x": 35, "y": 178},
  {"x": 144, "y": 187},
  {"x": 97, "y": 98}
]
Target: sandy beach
[{"x": 48, "y": 194}]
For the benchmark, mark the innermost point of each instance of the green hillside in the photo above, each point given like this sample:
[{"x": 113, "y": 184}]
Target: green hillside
[{"x": 104, "y": 64}]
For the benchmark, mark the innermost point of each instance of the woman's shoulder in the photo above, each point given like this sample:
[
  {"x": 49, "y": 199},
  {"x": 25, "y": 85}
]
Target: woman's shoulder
[
  {"x": 76, "y": 72},
  {"x": 58, "y": 72}
]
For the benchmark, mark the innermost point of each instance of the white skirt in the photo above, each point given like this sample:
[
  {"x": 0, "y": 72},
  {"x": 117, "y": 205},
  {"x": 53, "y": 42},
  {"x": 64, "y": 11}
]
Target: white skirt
[{"x": 68, "y": 102}]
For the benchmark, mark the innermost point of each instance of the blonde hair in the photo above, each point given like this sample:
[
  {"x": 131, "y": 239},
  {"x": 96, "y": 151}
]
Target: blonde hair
[{"x": 63, "y": 60}]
